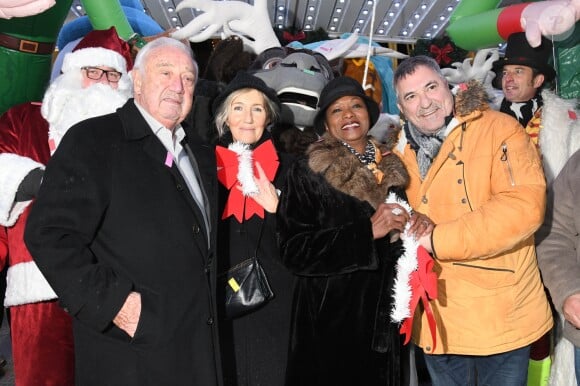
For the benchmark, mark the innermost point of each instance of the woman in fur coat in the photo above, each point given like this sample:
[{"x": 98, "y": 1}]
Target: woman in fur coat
[
  {"x": 254, "y": 346},
  {"x": 340, "y": 238}
]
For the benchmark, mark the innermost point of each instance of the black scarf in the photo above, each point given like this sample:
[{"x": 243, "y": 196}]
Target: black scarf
[{"x": 522, "y": 111}]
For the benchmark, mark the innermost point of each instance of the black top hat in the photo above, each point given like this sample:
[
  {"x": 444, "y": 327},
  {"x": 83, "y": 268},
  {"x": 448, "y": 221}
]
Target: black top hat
[
  {"x": 337, "y": 88},
  {"x": 245, "y": 80},
  {"x": 519, "y": 51}
]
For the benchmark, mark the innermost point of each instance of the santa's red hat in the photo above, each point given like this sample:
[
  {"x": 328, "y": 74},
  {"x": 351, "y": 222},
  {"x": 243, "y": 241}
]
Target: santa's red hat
[{"x": 100, "y": 48}]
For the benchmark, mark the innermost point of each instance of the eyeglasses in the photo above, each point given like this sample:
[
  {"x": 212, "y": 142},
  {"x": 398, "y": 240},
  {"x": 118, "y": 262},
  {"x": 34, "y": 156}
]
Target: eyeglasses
[{"x": 95, "y": 73}]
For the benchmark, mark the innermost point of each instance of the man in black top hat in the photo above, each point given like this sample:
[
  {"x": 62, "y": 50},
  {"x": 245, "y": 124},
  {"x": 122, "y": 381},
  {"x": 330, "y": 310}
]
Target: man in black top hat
[{"x": 524, "y": 71}]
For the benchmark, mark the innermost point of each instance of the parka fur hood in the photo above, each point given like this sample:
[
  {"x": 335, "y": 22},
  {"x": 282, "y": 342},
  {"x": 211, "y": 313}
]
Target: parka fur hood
[
  {"x": 343, "y": 170},
  {"x": 470, "y": 96}
]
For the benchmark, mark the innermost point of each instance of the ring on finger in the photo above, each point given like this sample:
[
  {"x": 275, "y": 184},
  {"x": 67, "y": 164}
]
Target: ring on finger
[{"x": 397, "y": 211}]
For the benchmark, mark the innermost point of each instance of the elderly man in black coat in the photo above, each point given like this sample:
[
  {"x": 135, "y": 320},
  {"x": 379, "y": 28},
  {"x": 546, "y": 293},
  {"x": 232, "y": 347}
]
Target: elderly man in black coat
[{"x": 124, "y": 231}]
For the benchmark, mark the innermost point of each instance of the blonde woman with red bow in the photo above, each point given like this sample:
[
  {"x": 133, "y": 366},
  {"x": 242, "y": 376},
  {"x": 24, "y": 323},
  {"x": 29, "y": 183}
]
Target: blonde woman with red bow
[{"x": 250, "y": 170}]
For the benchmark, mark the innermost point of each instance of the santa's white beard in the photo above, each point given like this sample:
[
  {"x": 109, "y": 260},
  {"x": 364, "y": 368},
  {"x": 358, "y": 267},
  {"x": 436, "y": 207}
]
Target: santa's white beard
[{"x": 66, "y": 103}]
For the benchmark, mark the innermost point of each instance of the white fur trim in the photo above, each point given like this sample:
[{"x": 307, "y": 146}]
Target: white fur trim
[
  {"x": 13, "y": 169},
  {"x": 25, "y": 284},
  {"x": 94, "y": 56},
  {"x": 452, "y": 124},
  {"x": 559, "y": 135},
  {"x": 245, "y": 168},
  {"x": 406, "y": 265},
  {"x": 402, "y": 142}
]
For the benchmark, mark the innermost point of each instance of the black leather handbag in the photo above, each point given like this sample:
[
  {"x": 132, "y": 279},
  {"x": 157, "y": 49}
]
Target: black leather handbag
[{"x": 246, "y": 286}]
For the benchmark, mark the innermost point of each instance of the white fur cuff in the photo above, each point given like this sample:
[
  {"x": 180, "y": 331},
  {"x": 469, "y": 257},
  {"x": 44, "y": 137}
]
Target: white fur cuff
[
  {"x": 25, "y": 284},
  {"x": 13, "y": 169}
]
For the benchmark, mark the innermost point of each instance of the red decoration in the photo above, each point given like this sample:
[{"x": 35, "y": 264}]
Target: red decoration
[
  {"x": 293, "y": 37},
  {"x": 238, "y": 205},
  {"x": 441, "y": 54},
  {"x": 423, "y": 284}
]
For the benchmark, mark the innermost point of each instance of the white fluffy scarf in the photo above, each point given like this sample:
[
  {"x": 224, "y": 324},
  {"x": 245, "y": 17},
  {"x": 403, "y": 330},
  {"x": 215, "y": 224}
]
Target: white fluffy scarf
[
  {"x": 406, "y": 265},
  {"x": 245, "y": 168}
]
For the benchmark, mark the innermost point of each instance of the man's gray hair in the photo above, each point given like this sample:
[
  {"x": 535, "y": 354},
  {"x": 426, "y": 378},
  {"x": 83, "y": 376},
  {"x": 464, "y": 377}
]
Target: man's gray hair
[
  {"x": 409, "y": 66},
  {"x": 163, "y": 42}
]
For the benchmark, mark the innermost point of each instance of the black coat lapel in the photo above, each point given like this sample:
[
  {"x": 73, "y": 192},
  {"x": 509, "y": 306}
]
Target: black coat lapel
[
  {"x": 137, "y": 128},
  {"x": 202, "y": 157}
]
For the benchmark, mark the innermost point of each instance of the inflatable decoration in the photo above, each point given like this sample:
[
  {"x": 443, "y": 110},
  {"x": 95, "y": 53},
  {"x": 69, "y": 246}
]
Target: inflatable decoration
[
  {"x": 128, "y": 17},
  {"x": 298, "y": 76},
  {"x": 231, "y": 18},
  {"x": 477, "y": 24},
  {"x": 23, "y": 8},
  {"x": 26, "y": 47}
]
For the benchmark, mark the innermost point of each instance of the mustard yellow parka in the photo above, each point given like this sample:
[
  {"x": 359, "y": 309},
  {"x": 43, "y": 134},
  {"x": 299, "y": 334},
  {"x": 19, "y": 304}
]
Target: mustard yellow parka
[{"x": 485, "y": 191}]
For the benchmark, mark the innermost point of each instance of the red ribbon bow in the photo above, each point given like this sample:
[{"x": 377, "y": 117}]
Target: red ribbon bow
[
  {"x": 441, "y": 53},
  {"x": 423, "y": 283},
  {"x": 227, "y": 161},
  {"x": 293, "y": 37}
]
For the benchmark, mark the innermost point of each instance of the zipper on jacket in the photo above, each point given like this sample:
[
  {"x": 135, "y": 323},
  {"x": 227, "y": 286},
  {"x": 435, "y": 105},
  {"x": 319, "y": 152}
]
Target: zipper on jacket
[
  {"x": 485, "y": 268},
  {"x": 505, "y": 158}
]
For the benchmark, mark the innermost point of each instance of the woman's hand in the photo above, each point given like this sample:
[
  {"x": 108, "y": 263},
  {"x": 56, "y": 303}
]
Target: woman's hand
[
  {"x": 388, "y": 217},
  {"x": 267, "y": 197}
]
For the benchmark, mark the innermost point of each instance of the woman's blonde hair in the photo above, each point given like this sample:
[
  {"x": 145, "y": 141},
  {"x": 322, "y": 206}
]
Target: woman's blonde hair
[{"x": 223, "y": 111}]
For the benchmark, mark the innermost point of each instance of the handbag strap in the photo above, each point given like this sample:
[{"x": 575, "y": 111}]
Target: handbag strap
[
  {"x": 260, "y": 236},
  {"x": 261, "y": 231}
]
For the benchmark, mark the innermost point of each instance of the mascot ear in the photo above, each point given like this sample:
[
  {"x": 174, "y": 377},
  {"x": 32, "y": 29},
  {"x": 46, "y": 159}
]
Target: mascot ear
[
  {"x": 268, "y": 59},
  {"x": 325, "y": 66}
]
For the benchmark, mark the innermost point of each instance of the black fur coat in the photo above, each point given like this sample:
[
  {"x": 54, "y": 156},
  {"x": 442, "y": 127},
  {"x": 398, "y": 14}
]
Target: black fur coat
[{"x": 341, "y": 333}]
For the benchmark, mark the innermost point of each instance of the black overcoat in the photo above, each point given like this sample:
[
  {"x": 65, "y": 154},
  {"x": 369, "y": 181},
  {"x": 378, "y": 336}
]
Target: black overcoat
[
  {"x": 114, "y": 215},
  {"x": 341, "y": 333},
  {"x": 255, "y": 346}
]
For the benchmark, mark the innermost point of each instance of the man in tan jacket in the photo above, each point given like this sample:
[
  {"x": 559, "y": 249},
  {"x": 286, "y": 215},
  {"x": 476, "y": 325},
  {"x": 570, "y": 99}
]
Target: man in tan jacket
[{"x": 477, "y": 175}]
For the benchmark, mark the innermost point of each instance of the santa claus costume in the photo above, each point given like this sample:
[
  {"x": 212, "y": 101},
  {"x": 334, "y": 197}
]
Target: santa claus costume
[{"x": 41, "y": 331}]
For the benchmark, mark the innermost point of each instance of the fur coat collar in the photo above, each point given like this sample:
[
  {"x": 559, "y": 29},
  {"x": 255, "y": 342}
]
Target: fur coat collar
[{"x": 343, "y": 171}]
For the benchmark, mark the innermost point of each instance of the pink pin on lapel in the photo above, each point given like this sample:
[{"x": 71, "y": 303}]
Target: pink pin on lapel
[{"x": 169, "y": 160}]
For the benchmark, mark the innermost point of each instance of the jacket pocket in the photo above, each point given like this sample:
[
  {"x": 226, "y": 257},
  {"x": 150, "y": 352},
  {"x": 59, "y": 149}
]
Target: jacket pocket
[
  {"x": 150, "y": 325},
  {"x": 483, "y": 276}
]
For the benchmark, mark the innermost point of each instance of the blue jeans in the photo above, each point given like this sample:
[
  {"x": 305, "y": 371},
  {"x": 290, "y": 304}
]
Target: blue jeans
[
  {"x": 577, "y": 363},
  {"x": 506, "y": 369}
]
